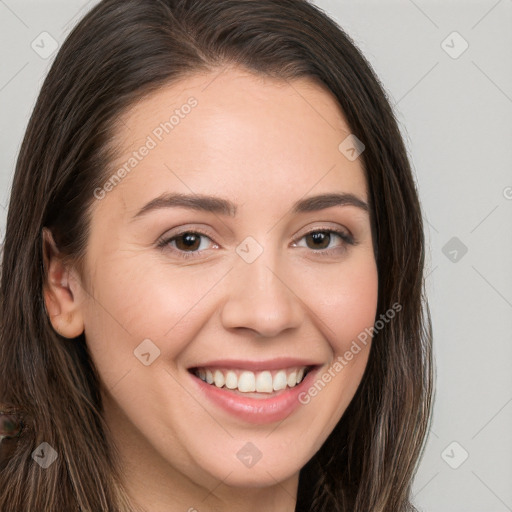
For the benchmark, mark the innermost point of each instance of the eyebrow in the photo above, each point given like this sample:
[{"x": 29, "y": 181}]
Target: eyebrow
[{"x": 218, "y": 205}]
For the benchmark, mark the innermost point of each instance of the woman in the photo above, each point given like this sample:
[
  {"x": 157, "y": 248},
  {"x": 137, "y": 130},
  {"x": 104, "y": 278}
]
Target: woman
[{"x": 212, "y": 274}]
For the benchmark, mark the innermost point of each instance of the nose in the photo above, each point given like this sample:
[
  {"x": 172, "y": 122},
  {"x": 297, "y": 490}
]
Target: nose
[{"x": 261, "y": 297}]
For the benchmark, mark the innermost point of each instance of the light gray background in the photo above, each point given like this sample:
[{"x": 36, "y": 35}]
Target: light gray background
[{"x": 456, "y": 117}]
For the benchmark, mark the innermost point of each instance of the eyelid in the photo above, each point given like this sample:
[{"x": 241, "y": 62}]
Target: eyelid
[{"x": 334, "y": 229}]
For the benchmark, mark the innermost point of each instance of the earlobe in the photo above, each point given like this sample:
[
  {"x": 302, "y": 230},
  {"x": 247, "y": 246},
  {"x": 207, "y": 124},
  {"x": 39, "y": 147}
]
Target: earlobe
[{"x": 62, "y": 305}]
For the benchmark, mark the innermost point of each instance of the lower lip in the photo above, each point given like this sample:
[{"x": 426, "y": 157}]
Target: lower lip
[{"x": 256, "y": 410}]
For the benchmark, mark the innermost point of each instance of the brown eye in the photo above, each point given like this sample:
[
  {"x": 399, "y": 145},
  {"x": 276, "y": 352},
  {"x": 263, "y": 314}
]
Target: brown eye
[
  {"x": 188, "y": 241},
  {"x": 319, "y": 239},
  {"x": 187, "y": 244}
]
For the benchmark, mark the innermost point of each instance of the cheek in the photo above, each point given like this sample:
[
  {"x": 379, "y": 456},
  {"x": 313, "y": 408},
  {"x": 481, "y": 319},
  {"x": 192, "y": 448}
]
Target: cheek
[
  {"x": 134, "y": 300},
  {"x": 344, "y": 303},
  {"x": 345, "y": 300}
]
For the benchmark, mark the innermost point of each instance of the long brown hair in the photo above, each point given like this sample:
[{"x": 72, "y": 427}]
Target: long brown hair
[{"x": 121, "y": 51}]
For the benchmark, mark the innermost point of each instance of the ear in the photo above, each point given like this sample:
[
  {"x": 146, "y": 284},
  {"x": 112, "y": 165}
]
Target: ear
[{"x": 62, "y": 305}]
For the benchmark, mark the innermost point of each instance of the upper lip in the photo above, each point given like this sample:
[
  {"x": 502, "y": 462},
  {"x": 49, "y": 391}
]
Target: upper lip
[{"x": 269, "y": 364}]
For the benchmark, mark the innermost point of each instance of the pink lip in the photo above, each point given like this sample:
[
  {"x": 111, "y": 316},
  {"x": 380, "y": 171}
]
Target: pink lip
[
  {"x": 256, "y": 410},
  {"x": 271, "y": 364}
]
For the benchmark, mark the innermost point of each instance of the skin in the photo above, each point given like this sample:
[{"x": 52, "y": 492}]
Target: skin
[{"x": 262, "y": 144}]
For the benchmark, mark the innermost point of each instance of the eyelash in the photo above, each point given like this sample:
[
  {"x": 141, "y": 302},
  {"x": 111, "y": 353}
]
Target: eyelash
[{"x": 164, "y": 243}]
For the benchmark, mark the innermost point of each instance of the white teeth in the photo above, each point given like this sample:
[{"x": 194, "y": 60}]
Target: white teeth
[
  {"x": 279, "y": 380},
  {"x": 292, "y": 379},
  {"x": 218, "y": 377},
  {"x": 264, "y": 382},
  {"x": 231, "y": 380},
  {"x": 247, "y": 381}
]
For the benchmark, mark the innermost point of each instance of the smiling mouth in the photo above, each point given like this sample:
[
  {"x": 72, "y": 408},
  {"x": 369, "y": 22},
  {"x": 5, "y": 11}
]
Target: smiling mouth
[{"x": 248, "y": 382}]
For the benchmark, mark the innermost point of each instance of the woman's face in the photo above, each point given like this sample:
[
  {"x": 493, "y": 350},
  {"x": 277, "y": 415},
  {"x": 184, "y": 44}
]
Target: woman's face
[{"x": 242, "y": 275}]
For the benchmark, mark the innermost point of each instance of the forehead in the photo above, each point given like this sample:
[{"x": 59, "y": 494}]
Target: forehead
[
  {"x": 234, "y": 132},
  {"x": 231, "y": 89}
]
